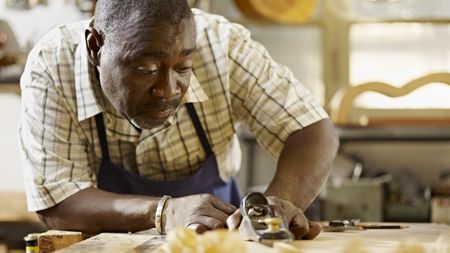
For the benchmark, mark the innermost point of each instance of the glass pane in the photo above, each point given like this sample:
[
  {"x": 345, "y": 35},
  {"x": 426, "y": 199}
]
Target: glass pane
[
  {"x": 400, "y": 9},
  {"x": 397, "y": 53}
]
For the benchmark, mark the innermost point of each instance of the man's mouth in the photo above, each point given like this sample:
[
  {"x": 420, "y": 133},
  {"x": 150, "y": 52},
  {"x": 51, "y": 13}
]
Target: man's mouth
[
  {"x": 159, "y": 109},
  {"x": 160, "y": 112}
]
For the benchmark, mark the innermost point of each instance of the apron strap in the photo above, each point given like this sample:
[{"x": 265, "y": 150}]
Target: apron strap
[
  {"x": 192, "y": 114},
  {"x": 199, "y": 129},
  {"x": 102, "y": 136}
]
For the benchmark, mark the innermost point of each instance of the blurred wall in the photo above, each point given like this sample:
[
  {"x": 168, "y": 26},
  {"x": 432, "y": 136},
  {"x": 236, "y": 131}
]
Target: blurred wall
[{"x": 28, "y": 26}]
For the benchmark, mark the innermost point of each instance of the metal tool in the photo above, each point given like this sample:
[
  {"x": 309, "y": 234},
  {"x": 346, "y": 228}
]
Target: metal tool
[
  {"x": 259, "y": 223},
  {"x": 354, "y": 224},
  {"x": 341, "y": 226}
]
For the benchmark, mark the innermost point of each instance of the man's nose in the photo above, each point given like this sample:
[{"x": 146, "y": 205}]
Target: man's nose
[{"x": 166, "y": 87}]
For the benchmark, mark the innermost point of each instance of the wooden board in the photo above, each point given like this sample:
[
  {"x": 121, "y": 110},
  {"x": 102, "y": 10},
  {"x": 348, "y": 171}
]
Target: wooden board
[
  {"x": 377, "y": 240},
  {"x": 54, "y": 240},
  {"x": 145, "y": 241}
]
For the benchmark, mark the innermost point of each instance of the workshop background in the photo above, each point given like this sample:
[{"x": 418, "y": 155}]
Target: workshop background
[{"x": 381, "y": 68}]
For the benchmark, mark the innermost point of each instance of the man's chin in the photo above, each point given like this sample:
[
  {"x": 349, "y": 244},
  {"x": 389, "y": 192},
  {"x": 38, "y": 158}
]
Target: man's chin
[{"x": 148, "y": 123}]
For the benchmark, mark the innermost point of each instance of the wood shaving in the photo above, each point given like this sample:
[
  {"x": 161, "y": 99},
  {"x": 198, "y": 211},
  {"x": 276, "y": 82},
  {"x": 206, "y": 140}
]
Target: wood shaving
[
  {"x": 182, "y": 240},
  {"x": 354, "y": 245}
]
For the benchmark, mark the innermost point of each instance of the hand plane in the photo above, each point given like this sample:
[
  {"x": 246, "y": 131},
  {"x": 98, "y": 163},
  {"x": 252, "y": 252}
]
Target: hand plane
[{"x": 259, "y": 223}]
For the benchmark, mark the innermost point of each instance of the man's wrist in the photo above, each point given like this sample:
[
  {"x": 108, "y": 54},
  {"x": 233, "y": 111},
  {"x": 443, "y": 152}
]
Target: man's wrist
[{"x": 160, "y": 216}]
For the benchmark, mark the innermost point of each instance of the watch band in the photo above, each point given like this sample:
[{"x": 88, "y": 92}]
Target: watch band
[{"x": 159, "y": 219}]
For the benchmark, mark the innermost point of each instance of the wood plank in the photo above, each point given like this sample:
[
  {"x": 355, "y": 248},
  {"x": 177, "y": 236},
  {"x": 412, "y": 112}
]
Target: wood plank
[
  {"x": 54, "y": 240},
  {"x": 376, "y": 240},
  {"x": 145, "y": 241},
  {"x": 117, "y": 242}
]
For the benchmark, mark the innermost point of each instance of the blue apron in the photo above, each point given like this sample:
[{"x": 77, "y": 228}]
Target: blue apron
[{"x": 115, "y": 179}]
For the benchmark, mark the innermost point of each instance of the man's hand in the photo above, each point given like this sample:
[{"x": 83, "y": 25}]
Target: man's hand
[
  {"x": 292, "y": 215},
  {"x": 200, "y": 213}
]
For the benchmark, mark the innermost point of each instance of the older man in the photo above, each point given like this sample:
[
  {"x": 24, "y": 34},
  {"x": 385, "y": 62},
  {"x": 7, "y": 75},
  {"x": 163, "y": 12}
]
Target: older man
[{"x": 129, "y": 122}]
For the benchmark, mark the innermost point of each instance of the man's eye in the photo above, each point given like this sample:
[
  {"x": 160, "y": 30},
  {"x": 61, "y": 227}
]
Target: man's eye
[
  {"x": 184, "y": 69},
  {"x": 147, "y": 70}
]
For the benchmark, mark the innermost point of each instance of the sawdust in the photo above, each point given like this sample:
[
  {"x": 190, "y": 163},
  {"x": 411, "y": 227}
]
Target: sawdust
[
  {"x": 409, "y": 248},
  {"x": 182, "y": 240},
  {"x": 354, "y": 246},
  {"x": 281, "y": 247}
]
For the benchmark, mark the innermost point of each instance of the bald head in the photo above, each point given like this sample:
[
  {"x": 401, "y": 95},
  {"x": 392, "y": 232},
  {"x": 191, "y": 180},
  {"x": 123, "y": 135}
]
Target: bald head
[{"x": 112, "y": 15}]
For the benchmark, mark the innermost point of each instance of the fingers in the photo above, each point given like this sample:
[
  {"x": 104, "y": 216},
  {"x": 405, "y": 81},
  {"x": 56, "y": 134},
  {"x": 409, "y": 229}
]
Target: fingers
[
  {"x": 296, "y": 221},
  {"x": 211, "y": 214},
  {"x": 218, "y": 209},
  {"x": 197, "y": 228},
  {"x": 278, "y": 211},
  {"x": 208, "y": 223},
  {"x": 234, "y": 220},
  {"x": 299, "y": 225},
  {"x": 222, "y": 205},
  {"x": 216, "y": 214},
  {"x": 314, "y": 230},
  {"x": 202, "y": 209},
  {"x": 284, "y": 209}
]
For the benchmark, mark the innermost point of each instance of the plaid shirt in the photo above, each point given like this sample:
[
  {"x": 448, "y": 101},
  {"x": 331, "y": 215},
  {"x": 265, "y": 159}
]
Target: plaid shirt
[{"x": 234, "y": 81}]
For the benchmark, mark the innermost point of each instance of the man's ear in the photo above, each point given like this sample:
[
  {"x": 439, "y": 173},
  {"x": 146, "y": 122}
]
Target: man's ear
[{"x": 94, "y": 43}]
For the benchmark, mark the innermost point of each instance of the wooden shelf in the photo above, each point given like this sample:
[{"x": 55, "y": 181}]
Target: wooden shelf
[{"x": 394, "y": 133}]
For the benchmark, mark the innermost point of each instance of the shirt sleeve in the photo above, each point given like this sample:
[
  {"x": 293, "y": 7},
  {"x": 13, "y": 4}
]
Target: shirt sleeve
[
  {"x": 266, "y": 95},
  {"x": 55, "y": 160}
]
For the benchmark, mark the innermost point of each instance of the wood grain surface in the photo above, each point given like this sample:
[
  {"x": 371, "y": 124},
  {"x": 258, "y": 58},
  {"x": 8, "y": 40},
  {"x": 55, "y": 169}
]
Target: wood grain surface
[{"x": 376, "y": 240}]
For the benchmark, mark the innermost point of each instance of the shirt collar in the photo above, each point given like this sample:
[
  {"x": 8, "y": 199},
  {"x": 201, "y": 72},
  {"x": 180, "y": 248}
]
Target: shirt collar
[{"x": 195, "y": 92}]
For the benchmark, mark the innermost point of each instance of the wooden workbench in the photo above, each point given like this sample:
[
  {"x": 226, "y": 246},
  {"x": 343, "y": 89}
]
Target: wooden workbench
[{"x": 376, "y": 240}]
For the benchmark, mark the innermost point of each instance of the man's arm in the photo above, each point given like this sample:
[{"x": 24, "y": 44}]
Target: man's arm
[
  {"x": 92, "y": 211},
  {"x": 303, "y": 167},
  {"x": 304, "y": 164}
]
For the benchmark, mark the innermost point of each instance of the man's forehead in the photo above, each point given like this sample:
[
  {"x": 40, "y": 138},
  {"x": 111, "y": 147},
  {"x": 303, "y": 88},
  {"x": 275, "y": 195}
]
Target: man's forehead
[
  {"x": 154, "y": 30},
  {"x": 142, "y": 22},
  {"x": 158, "y": 43}
]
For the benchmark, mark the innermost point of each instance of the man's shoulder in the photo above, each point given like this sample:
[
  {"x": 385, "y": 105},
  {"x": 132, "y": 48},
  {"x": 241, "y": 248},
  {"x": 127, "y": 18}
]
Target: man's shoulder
[
  {"x": 212, "y": 22},
  {"x": 65, "y": 35},
  {"x": 203, "y": 17},
  {"x": 54, "y": 57}
]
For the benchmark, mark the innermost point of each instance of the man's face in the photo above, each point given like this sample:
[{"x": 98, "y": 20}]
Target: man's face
[{"x": 145, "y": 72}]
